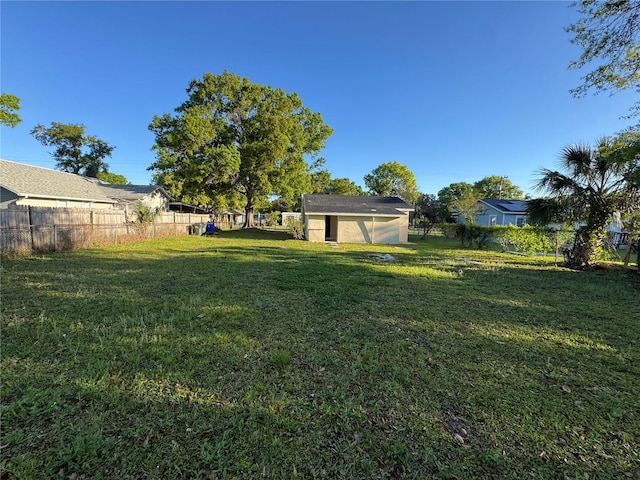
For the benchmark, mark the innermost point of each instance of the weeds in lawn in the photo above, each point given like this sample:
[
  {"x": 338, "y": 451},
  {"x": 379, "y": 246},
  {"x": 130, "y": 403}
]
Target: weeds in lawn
[
  {"x": 280, "y": 358},
  {"x": 251, "y": 355}
]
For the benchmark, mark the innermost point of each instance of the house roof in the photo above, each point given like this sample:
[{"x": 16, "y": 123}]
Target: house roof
[
  {"x": 354, "y": 205},
  {"x": 507, "y": 206},
  {"x": 30, "y": 181},
  {"x": 186, "y": 208},
  {"x": 130, "y": 192}
]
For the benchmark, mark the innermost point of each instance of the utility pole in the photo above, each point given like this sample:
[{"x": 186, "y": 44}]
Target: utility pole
[{"x": 500, "y": 188}]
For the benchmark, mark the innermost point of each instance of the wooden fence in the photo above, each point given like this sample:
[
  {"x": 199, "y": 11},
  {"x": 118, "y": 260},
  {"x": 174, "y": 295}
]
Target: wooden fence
[{"x": 40, "y": 229}]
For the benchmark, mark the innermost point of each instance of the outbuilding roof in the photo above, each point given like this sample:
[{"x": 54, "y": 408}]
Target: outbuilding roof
[
  {"x": 30, "y": 181},
  {"x": 354, "y": 205}
]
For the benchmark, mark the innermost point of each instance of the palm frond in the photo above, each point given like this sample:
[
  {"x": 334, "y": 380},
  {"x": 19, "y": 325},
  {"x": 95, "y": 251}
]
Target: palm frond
[
  {"x": 577, "y": 159},
  {"x": 541, "y": 211},
  {"x": 557, "y": 183}
]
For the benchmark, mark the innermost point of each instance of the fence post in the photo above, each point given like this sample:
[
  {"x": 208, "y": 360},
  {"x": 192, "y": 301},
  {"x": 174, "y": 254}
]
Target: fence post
[{"x": 31, "y": 229}]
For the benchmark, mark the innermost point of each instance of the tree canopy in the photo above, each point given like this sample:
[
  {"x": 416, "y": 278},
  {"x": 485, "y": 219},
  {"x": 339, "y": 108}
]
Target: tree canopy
[
  {"x": 321, "y": 182},
  {"x": 453, "y": 192},
  {"x": 392, "y": 179},
  {"x": 467, "y": 206},
  {"x": 234, "y": 138},
  {"x": 496, "y": 186},
  {"x": 9, "y": 105},
  {"x": 430, "y": 211},
  {"x": 344, "y": 186},
  {"x": 113, "y": 178},
  {"x": 74, "y": 151},
  {"x": 609, "y": 34}
]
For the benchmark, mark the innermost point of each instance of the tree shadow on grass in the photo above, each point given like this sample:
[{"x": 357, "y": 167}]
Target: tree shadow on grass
[{"x": 271, "y": 359}]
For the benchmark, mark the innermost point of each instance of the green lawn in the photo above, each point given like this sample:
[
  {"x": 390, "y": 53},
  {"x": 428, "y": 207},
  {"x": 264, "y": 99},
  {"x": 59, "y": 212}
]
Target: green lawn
[{"x": 250, "y": 355}]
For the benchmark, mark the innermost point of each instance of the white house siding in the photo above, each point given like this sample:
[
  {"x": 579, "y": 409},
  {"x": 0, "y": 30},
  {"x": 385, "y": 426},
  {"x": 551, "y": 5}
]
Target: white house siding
[
  {"x": 287, "y": 216},
  {"x": 157, "y": 200},
  {"x": 153, "y": 200},
  {"x": 58, "y": 203}
]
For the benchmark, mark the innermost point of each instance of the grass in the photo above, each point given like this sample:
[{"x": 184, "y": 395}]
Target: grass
[{"x": 250, "y": 355}]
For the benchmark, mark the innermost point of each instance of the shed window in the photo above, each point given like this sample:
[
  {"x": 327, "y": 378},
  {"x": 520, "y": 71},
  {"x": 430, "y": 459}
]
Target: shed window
[{"x": 492, "y": 220}]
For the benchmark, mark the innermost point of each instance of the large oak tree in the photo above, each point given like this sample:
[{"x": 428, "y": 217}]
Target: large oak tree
[{"x": 231, "y": 138}]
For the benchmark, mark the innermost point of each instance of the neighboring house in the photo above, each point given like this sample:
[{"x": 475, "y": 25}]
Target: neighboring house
[
  {"x": 492, "y": 211},
  {"x": 186, "y": 208},
  {"x": 22, "y": 184},
  {"x": 129, "y": 196},
  {"x": 290, "y": 216},
  {"x": 355, "y": 219},
  {"x": 231, "y": 217}
]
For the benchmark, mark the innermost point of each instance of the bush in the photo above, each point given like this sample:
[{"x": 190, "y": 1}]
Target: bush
[
  {"x": 449, "y": 230},
  {"x": 526, "y": 239},
  {"x": 469, "y": 235},
  {"x": 295, "y": 227},
  {"x": 272, "y": 218},
  {"x": 145, "y": 214}
]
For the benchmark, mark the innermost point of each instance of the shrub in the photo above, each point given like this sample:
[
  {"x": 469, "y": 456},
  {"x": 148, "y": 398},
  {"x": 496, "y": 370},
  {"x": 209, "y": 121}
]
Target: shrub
[
  {"x": 449, "y": 230},
  {"x": 526, "y": 239},
  {"x": 295, "y": 228},
  {"x": 470, "y": 235},
  {"x": 145, "y": 217},
  {"x": 272, "y": 218},
  {"x": 146, "y": 214}
]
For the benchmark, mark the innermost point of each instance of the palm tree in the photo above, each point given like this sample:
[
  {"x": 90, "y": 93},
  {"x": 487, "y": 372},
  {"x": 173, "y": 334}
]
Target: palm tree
[{"x": 596, "y": 184}]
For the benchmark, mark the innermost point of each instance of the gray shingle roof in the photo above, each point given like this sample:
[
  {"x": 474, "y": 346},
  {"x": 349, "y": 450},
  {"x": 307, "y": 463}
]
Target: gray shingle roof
[
  {"x": 129, "y": 192},
  {"x": 354, "y": 205},
  {"x": 29, "y": 181}
]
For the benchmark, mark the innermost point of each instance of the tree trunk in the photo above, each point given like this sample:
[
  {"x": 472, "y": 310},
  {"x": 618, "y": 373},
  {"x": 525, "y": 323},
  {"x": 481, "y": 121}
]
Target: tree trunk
[
  {"x": 627, "y": 253},
  {"x": 586, "y": 246},
  {"x": 248, "y": 217}
]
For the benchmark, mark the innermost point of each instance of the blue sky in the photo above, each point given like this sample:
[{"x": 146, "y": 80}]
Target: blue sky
[{"x": 455, "y": 91}]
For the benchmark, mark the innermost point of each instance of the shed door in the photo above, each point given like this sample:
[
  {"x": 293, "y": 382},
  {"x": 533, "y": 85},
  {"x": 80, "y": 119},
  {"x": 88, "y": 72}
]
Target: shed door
[{"x": 330, "y": 228}]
